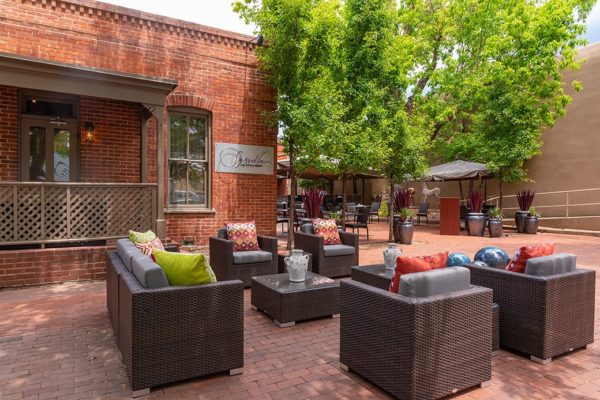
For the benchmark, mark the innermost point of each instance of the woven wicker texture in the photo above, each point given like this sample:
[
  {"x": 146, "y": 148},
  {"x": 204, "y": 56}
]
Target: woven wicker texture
[
  {"x": 297, "y": 305},
  {"x": 180, "y": 332},
  {"x": 221, "y": 260},
  {"x": 416, "y": 348},
  {"x": 331, "y": 267},
  {"x": 542, "y": 316}
]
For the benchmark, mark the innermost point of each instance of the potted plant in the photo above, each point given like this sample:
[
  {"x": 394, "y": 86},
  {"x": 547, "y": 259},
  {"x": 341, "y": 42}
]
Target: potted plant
[
  {"x": 475, "y": 219},
  {"x": 531, "y": 221},
  {"x": 495, "y": 222},
  {"x": 525, "y": 199},
  {"x": 401, "y": 202},
  {"x": 405, "y": 226},
  {"x": 337, "y": 216}
]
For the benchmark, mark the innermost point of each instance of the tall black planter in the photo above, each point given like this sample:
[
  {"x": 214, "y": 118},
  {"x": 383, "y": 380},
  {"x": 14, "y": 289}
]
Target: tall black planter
[
  {"x": 520, "y": 221},
  {"x": 396, "y": 221},
  {"x": 475, "y": 224},
  {"x": 405, "y": 232},
  {"x": 495, "y": 227},
  {"x": 531, "y": 225}
]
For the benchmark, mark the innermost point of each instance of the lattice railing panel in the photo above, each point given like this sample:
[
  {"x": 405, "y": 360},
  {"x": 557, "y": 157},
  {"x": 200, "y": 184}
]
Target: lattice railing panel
[
  {"x": 67, "y": 212},
  {"x": 7, "y": 214},
  {"x": 29, "y": 213}
]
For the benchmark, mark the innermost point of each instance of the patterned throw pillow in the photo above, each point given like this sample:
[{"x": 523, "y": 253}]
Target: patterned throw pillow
[
  {"x": 147, "y": 247},
  {"x": 243, "y": 236},
  {"x": 328, "y": 229},
  {"x": 141, "y": 237},
  {"x": 519, "y": 261},
  {"x": 409, "y": 265}
]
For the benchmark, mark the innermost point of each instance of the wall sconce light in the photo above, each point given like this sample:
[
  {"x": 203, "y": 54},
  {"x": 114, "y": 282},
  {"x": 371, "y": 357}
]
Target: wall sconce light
[
  {"x": 259, "y": 40},
  {"x": 90, "y": 131}
]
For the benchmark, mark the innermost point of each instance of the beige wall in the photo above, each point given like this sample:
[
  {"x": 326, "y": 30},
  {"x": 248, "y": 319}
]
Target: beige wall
[{"x": 570, "y": 159}]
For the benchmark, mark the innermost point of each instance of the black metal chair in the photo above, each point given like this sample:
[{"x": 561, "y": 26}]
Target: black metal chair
[
  {"x": 423, "y": 208},
  {"x": 375, "y": 210},
  {"x": 362, "y": 221}
]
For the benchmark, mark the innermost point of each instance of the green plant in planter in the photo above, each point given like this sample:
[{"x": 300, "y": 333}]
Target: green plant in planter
[
  {"x": 495, "y": 213},
  {"x": 406, "y": 215},
  {"x": 533, "y": 213},
  {"x": 532, "y": 220},
  {"x": 335, "y": 215}
]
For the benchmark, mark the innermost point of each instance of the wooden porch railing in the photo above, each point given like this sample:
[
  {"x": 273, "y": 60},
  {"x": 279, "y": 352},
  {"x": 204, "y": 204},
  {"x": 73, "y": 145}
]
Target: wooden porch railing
[{"x": 39, "y": 212}]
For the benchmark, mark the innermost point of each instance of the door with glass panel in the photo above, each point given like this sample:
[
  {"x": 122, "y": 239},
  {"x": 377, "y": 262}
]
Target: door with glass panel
[{"x": 48, "y": 150}]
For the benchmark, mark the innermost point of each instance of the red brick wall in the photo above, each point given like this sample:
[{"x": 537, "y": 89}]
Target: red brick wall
[
  {"x": 8, "y": 134},
  {"x": 114, "y": 156},
  {"x": 217, "y": 67},
  {"x": 33, "y": 267}
]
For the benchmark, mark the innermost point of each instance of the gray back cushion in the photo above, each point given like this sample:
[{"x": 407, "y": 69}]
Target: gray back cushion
[
  {"x": 222, "y": 233},
  {"x": 551, "y": 265},
  {"x": 250, "y": 257},
  {"x": 127, "y": 250},
  {"x": 308, "y": 228},
  {"x": 437, "y": 281},
  {"x": 150, "y": 274}
]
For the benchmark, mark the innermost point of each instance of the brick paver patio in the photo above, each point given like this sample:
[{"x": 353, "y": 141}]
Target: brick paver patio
[{"x": 55, "y": 342}]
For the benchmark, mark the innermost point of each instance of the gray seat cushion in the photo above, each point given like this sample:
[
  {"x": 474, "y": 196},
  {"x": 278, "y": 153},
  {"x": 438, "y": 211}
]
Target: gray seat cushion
[
  {"x": 551, "y": 265},
  {"x": 127, "y": 250},
  {"x": 250, "y": 257},
  {"x": 335, "y": 250},
  {"x": 308, "y": 228},
  {"x": 222, "y": 233},
  {"x": 149, "y": 273},
  {"x": 437, "y": 281}
]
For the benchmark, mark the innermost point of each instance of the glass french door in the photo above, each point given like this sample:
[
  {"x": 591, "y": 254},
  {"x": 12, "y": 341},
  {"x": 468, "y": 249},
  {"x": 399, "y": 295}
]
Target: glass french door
[{"x": 48, "y": 151}]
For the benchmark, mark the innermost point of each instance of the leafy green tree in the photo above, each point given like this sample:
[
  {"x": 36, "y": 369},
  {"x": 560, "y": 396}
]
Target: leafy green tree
[{"x": 299, "y": 35}]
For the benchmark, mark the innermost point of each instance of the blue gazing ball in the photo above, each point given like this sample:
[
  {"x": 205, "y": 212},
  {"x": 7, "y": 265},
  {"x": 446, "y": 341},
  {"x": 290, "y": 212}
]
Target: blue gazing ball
[
  {"x": 493, "y": 257},
  {"x": 457, "y": 260},
  {"x": 479, "y": 264}
]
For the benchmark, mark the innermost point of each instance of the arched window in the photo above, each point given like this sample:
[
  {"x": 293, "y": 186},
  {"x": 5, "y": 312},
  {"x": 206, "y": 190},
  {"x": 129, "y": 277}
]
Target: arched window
[{"x": 189, "y": 158}]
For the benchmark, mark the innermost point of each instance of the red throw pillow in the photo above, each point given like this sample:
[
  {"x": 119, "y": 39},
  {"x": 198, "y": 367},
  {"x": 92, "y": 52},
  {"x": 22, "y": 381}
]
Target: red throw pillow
[
  {"x": 409, "y": 265},
  {"x": 243, "y": 236},
  {"x": 519, "y": 261},
  {"x": 328, "y": 229}
]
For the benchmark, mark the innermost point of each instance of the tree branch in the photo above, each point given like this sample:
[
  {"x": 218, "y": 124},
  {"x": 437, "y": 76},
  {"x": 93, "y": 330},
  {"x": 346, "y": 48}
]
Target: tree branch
[{"x": 422, "y": 82}]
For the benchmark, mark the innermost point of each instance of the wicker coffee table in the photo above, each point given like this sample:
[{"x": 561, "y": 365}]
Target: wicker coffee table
[
  {"x": 287, "y": 302},
  {"x": 376, "y": 275}
]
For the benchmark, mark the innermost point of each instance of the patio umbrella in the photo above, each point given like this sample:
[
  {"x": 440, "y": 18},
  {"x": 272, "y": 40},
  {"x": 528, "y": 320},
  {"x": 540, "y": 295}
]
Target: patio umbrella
[{"x": 456, "y": 171}]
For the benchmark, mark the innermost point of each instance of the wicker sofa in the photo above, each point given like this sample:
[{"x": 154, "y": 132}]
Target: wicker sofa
[
  {"x": 171, "y": 333},
  {"x": 417, "y": 347},
  {"x": 242, "y": 265},
  {"x": 542, "y": 316},
  {"x": 331, "y": 261}
]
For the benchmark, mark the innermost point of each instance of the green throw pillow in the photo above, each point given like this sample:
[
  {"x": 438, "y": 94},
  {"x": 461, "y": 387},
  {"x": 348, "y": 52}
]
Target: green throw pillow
[
  {"x": 141, "y": 237},
  {"x": 184, "y": 269}
]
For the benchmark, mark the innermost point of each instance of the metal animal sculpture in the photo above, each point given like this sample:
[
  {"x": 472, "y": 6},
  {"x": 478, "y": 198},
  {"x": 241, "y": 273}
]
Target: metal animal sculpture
[{"x": 425, "y": 193}]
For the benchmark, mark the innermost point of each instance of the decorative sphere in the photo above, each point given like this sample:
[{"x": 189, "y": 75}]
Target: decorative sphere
[
  {"x": 493, "y": 257},
  {"x": 457, "y": 260},
  {"x": 479, "y": 264}
]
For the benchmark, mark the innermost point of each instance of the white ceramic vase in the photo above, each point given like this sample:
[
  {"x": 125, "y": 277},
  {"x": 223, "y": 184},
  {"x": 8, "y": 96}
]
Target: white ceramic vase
[
  {"x": 297, "y": 265},
  {"x": 390, "y": 254}
]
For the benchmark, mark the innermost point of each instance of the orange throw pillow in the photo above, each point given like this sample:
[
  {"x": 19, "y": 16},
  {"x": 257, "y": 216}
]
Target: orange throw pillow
[
  {"x": 519, "y": 261},
  {"x": 409, "y": 265},
  {"x": 243, "y": 236},
  {"x": 328, "y": 229}
]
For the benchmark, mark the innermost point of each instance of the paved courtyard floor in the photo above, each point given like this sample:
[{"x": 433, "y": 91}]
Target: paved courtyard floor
[{"x": 55, "y": 342}]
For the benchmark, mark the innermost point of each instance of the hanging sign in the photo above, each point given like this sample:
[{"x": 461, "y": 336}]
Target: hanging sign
[{"x": 244, "y": 159}]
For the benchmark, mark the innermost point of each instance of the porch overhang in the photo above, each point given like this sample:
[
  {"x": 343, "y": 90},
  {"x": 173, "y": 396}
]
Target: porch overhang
[{"x": 33, "y": 73}]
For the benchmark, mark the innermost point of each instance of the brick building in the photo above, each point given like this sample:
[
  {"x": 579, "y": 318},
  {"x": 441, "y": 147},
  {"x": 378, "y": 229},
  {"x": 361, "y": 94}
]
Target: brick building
[{"x": 109, "y": 120}]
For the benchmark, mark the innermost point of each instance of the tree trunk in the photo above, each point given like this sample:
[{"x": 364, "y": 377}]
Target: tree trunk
[
  {"x": 292, "y": 208},
  {"x": 500, "y": 194},
  {"x": 391, "y": 212},
  {"x": 344, "y": 201}
]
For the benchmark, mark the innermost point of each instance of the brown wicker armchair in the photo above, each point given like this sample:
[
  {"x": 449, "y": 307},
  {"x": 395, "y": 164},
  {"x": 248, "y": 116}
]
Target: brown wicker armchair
[
  {"x": 326, "y": 260},
  {"x": 173, "y": 333},
  {"x": 416, "y": 348},
  {"x": 542, "y": 316},
  {"x": 242, "y": 265}
]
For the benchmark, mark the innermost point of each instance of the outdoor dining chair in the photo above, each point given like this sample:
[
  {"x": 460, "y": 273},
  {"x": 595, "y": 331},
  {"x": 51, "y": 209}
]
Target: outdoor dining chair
[
  {"x": 362, "y": 221},
  {"x": 375, "y": 210},
  {"x": 423, "y": 208}
]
